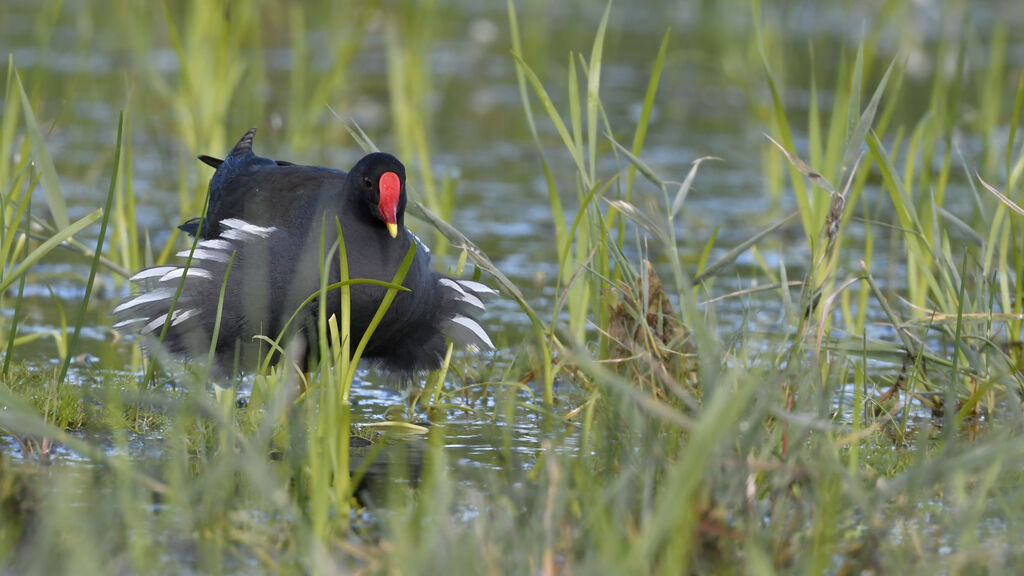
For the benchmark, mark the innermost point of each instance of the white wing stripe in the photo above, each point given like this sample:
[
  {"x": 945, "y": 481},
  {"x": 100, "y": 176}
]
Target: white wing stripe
[
  {"x": 478, "y": 288},
  {"x": 192, "y": 272},
  {"x": 154, "y": 324},
  {"x": 145, "y": 298},
  {"x": 247, "y": 228},
  {"x": 128, "y": 322},
  {"x": 200, "y": 254},
  {"x": 217, "y": 244},
  {"x": 177, "y": 317},
  {"x": 461, "y": 295},
  {"x": 180, "y": 316},
  {"x": 473, "y": 301},
  {"x": 452, "y": 284},
  {"x": 475, "y": 328},
  {"x": 151, "y": 273}
]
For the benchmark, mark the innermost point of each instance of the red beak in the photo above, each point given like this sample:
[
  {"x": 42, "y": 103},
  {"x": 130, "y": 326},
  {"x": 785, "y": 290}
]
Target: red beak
[{"x": 390, "y": 191}]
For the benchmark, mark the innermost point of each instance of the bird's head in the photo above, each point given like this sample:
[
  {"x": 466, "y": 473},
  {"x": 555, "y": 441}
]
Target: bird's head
[{"x": 379, "y": 181}]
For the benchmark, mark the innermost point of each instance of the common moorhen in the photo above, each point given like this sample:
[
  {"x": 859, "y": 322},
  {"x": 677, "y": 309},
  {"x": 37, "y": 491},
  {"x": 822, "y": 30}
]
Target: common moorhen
[{"x": 263, "y": 229}]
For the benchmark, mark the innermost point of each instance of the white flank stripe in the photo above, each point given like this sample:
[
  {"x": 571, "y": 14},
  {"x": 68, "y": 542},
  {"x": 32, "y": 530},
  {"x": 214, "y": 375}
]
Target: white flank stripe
[
  {"x": 156, "y": 323},
  {"x": 462, "y": 295},
  {"x": 153, "y": 296},
  {"x": 473, "y": 301},
  {"x": 451, "y": 284},
  {"x": 248, "y": 228},
  {"x": 201, "y": 254},
  {"x": 128, "y": 322},
  {"x": 475, "y": 328},
  {"x": 216, "y": 244},
  {"x": 180, "y": 316},
  {"x": 151, "y": 273},
  {"x": 478, "y": 288},
  {"x": 193, "y": 272},
  {"x": 177, "y": 317},
  {"x": 233, "y": 234}
]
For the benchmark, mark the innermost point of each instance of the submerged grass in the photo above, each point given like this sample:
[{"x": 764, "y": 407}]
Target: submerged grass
[{"x": 874, "y": 427}]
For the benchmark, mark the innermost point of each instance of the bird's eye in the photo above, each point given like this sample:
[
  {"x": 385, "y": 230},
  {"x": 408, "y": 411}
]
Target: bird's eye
[{"x": 367, "y": 182}]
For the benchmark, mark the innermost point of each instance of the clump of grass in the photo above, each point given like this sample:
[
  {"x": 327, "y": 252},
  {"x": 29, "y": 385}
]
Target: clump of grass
[{"x": 59, "y": 403}]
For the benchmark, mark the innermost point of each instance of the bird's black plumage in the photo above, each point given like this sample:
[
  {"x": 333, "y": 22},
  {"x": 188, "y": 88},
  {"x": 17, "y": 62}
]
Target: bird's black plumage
[{"x": 263, "y": 229}]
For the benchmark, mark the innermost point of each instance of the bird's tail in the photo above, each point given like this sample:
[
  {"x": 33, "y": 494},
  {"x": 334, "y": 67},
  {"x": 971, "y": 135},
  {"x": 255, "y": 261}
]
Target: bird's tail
[{"x": 464, "y": 327}]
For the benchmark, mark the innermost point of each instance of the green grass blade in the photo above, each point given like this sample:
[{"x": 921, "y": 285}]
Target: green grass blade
[
  {"x": 359, "y": 136},
  {"x": 684, "y": 188},
  {"x": 810, "y": 173},
  {"x": 20, "y": 210},
  {"x": 593, "y": 90},
  {"x": 344, "y": 341},
  {"x": 215, "y": 334},
  {"x": 901, "y": 199},
  {"x": 730, "y": 256},
  {"x": 19, "y": 299},
  {"x": 639, "y": 164},
  {"x": 41, "y": 156},
  {"x": 563, "y": 253},
  {"x": 815, "y": 152},
  {"x": 389, "y": 297},
  {"x": 645, "y": 112},
  {"x": 705, "y": 253},
  {"x": 8, "y": 123},
  {"x": 51, "y": 243},
  {"x": 276, "y": 342},
  {"x": 554, "y": 200},
  {"x": 1002, "y": 197},
  {"x": 549, "y": 107},
  {"x": 99, "y": 250},
  {"x": 856, "y": 86},
  {"x": 1018, "y": 101},
  {"x": 517, "y": 48},
  {"x": 860, "y": 130},
  {"x": 575, "y": 114},
  {"x": 805, "y": 205},
  {"x": 641, "y": 219}
]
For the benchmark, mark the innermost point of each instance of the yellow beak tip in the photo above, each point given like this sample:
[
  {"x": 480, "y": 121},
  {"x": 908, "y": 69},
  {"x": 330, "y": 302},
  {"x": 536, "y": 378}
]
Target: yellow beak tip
[{"x": 392, "y": 229}]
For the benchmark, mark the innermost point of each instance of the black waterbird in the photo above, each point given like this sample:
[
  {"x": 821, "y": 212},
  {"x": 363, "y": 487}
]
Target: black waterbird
[{"x": 263, "y": 230}]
